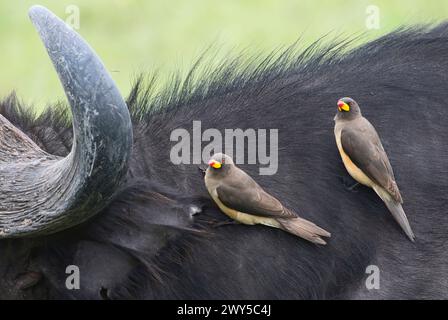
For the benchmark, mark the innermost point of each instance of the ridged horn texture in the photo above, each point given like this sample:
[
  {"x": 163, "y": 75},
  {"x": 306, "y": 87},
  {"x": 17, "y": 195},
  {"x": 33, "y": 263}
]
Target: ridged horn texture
[{"x": 41, "y": 193}]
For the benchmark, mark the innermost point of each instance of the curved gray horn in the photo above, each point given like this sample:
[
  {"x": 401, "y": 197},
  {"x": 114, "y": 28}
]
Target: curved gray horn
[{"x": 40, "y": 193}]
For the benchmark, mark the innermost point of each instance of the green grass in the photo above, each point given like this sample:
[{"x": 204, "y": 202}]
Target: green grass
[{"x": 141, "y": 36}]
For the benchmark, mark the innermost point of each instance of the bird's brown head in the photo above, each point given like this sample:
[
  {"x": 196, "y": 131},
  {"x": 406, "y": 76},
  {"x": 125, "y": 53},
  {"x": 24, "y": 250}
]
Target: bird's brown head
[
  {"x": 348, "y": 109},
  {"x": 220, "y": 163}
]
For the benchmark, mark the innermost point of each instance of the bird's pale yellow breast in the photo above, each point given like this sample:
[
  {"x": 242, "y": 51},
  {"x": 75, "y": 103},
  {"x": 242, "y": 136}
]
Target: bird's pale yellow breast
[
  {"x": 242, "y": 217},
  {"x": 352, "y": 169}
]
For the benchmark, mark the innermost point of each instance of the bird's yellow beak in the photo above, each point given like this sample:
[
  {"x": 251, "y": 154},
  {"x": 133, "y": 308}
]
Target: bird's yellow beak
[
  {"x": 343, "y": 106},
  {"x": 214, "y": 164}
]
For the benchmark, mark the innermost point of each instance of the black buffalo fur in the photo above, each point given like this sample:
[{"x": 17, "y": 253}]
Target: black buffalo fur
[{"x": 147, "y": 244}]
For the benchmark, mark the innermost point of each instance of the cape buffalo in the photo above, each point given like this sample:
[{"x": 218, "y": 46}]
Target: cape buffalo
[{"x": 112, "y": 205}]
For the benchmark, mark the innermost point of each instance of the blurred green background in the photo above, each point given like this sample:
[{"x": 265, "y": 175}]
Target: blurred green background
[{"x": 135, "y": 36}]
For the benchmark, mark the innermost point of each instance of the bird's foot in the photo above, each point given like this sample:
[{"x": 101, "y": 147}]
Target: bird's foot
[
  {"x": 349, "y": 184},
  {"x": 353, "y": 187},
  {"x": 217, "y": 224}
]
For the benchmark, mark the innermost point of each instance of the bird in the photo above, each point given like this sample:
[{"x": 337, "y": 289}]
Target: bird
[
  {"x": 366, "y": 161},
  {"x": 243, "y": 200}
]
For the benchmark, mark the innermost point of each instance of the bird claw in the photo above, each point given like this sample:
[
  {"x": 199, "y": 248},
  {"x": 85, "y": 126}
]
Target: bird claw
[
  {"x": 217, "y": 224},
  {"x": 349, "y": 184}
]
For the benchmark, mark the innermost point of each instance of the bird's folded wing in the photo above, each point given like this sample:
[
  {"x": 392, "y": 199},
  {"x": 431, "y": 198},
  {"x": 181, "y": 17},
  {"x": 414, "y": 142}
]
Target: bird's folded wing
[
  {"x": 253, "y": 200},
  {"x": 365, "y": 150}
]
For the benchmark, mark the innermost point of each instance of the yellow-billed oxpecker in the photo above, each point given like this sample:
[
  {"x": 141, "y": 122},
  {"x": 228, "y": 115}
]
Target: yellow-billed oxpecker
[
  {"x": 366, "y": 161},
  {"x": 243, "y": 200}
]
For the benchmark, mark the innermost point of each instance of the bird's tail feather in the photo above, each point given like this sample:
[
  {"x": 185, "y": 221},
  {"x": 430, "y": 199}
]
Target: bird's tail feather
[
  {"x": 304, "y": 229},
  {"x": 397, "y": 212}
]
